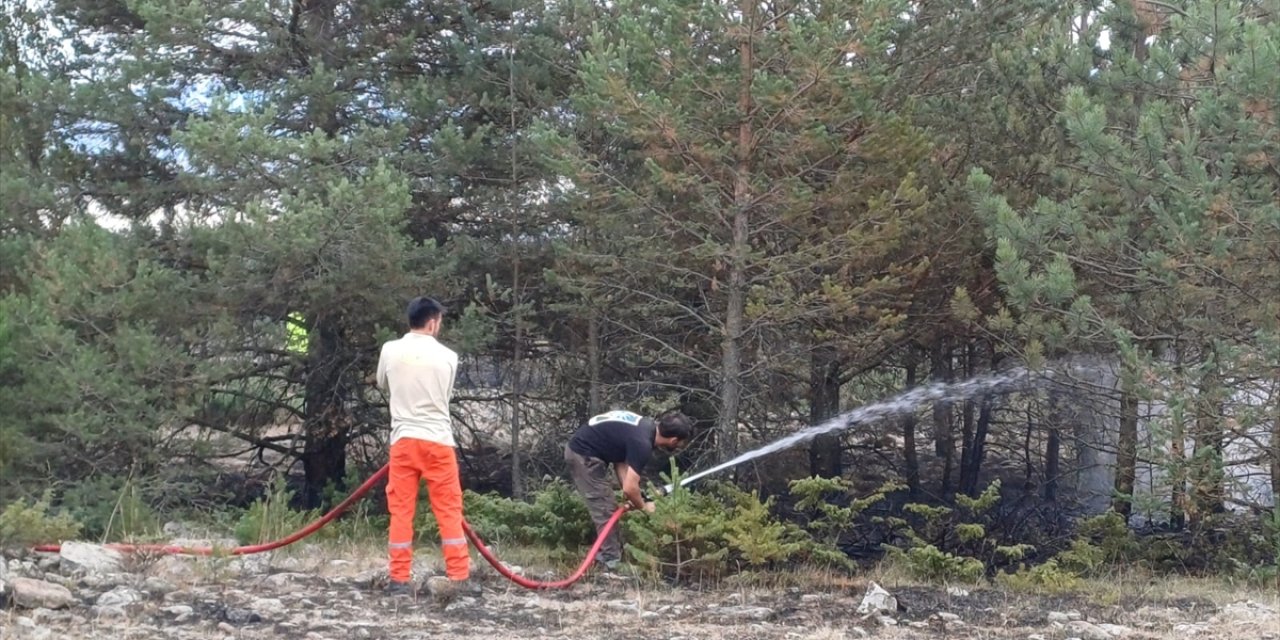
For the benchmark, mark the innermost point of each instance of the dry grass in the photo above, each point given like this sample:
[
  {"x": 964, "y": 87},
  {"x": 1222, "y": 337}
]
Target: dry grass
[{"x": 809, "y": 604}]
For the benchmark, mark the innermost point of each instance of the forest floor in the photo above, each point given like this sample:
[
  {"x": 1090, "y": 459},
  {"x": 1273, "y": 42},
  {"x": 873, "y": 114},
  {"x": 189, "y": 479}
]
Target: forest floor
[{"x": 325, "y": 592}]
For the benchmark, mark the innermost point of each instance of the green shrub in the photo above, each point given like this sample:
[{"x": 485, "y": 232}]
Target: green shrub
[
  {"x": 23, "y": 524},
  {"x": 270, "y": 517},
  {"x": 940, "y": 543},
  {"x": 1049, "y": 577},
  {"x": 717, "y": 531},
  {"x": 820, "y": 504},
  {"x": 1115, "y": 542},
  {"x": 556, "y": 518},
  {"x": 112, "y": 508},
  {"x": 930, "y": 564}
]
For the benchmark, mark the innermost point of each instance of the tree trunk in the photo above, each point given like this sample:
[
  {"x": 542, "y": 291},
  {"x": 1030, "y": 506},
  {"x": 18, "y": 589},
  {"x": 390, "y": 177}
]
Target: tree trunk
[
  {"x": 944, "y": 438},
  {"x": 517, "y": 355},
  {"x": 517, "y": 351},
  {"x": 970, "y": 483},
  {"x": 1126, "y": 448},
  {"x": 1275, "y": 447},
  {"x": 824, "y": 404},
  {"x": 326, "y": 426},
  {"x": 910, "y": 460},
  {"x": 1053, "y": 448},
  {"x": 1206, "y": 460},
  {"x": 966, "y": 443},
  {"x": 1178, "y": 476},
  {"x": 1178, "y": 458},
  {"x": 736, "y": 289},
  {"x": 594, "y": 391}
]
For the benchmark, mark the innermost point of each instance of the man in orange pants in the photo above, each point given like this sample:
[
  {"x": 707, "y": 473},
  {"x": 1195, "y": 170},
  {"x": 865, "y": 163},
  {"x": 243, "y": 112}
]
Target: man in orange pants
[{"x": 418, "y": 372}]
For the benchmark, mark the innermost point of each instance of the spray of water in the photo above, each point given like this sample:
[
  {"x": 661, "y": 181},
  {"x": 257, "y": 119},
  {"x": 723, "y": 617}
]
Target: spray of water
[{"x": 902, "y": 403}]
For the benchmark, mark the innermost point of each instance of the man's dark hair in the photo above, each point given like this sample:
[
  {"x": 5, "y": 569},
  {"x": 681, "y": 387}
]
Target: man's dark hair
[
  {"x": 423, "y": 310},
  {"x": 674, "y": 424}
]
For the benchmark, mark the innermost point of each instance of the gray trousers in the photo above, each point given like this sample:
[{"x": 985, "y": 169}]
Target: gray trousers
[{"x": 592, "y": 477}]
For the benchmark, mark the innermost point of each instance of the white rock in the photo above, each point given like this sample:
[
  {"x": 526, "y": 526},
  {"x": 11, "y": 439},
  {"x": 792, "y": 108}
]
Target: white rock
[
  {"x": 744, "y": 613},
  {"x": 157, "y": 586},
  {"x": 173, "y": 568},
  {"x": 947, "y": 617},
  {"x": 1058, "y": 616},
  {"x": 877, "y": 599},
  {"x": 625, "y": 606},
  {"x": 284, "y": 581},
  {"x": 268, "y": 607},
  {"x": 37, "y": 594},
  {"x": 27, "y": 629},
  {"x": 1116, "y": 630},
  {"x": 1088, "y": 630},
  {"x": 119, "y": 597},
  {"x": 108, "y": 613},
  {"x": 90, "y": 558},
  {"x": 180, "y": 612},
  {"x": 958, "y": 592}
]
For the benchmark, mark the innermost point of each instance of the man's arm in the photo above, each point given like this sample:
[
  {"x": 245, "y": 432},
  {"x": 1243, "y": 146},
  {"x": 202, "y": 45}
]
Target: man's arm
[
  {"x": 382, "y": 369},
  {"x": 631, "y": 487}
]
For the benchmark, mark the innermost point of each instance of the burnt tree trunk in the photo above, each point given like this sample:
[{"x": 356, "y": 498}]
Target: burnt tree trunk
[
  {"x": 1206, "y": 461},
  {"x": 944, "y": 438},
  {"x": 1126, "y": 450},
  {"x": 970, "y": 475},
  {"x": 1275, "y": 446},
  {"x": 326, "y": 425},
  {"x": 595, "y": 391},
  {"x": 824, "y": 404},
  {"x": 910, "y": 460}
]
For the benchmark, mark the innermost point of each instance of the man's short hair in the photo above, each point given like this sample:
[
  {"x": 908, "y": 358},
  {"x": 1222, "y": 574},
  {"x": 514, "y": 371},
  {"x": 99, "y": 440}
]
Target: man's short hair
[
  {"x": 423, "y": 310},
  {"x": 674, "y": 424}
]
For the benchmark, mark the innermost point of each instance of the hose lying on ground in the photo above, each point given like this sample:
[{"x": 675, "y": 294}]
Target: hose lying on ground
[{"x": 359, "y": 493}]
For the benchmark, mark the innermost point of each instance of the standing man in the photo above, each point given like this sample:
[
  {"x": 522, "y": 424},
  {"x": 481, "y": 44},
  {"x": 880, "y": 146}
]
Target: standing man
[
  {"x": 418, "y": 372},
  {"x": 624, "y": 441}
]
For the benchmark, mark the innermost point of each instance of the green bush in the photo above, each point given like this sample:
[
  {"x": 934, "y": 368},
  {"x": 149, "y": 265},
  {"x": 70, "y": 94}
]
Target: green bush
[
  {"x": 1049, "y": 577},
  {"x": 270, "y": 517},
  {"x": 112, "y": 508},
  {"x": 23, "y": 524},
  {"x": 556, "y": 518},
  {"x": 944, "y": 544},
  {"x": 933, "y": 565},
  {"x": 820, "y": 504},
  {"x": 717, "y": 531}
]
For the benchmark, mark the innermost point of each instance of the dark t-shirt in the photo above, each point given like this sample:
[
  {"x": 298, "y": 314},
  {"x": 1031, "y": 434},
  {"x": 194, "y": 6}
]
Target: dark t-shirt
[{"x": 616, "y": 436}]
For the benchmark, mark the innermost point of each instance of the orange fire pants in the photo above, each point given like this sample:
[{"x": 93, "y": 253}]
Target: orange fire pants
[{"x": 413, "y": 460}]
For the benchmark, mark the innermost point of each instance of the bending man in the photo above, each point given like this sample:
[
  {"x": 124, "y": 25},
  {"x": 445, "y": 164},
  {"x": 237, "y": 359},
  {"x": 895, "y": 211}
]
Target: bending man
[
  {"x": 623, "y": 441},
  {"x": 418, "y": 372}
]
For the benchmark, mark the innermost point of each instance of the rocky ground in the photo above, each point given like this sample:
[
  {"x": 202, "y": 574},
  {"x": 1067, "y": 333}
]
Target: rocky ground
[{"x": 89, "y": 592}]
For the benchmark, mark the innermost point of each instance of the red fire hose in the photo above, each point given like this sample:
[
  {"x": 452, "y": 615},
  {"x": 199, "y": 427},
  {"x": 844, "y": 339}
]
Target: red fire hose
[
  {"x": 534, "y": 584},
  {"x": 336, "y": 511}
]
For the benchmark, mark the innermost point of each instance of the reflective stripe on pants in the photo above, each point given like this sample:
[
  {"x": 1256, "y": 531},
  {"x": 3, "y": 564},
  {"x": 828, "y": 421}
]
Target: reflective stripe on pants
[{"x": 411, "y": 462}]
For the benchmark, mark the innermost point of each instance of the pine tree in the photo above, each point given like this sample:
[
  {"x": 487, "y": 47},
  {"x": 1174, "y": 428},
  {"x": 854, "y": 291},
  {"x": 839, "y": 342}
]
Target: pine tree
[{"x": 745, "y": 190}]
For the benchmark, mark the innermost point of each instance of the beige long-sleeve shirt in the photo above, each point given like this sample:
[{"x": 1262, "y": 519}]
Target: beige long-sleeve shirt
[{"x": 419, "y": 372}]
